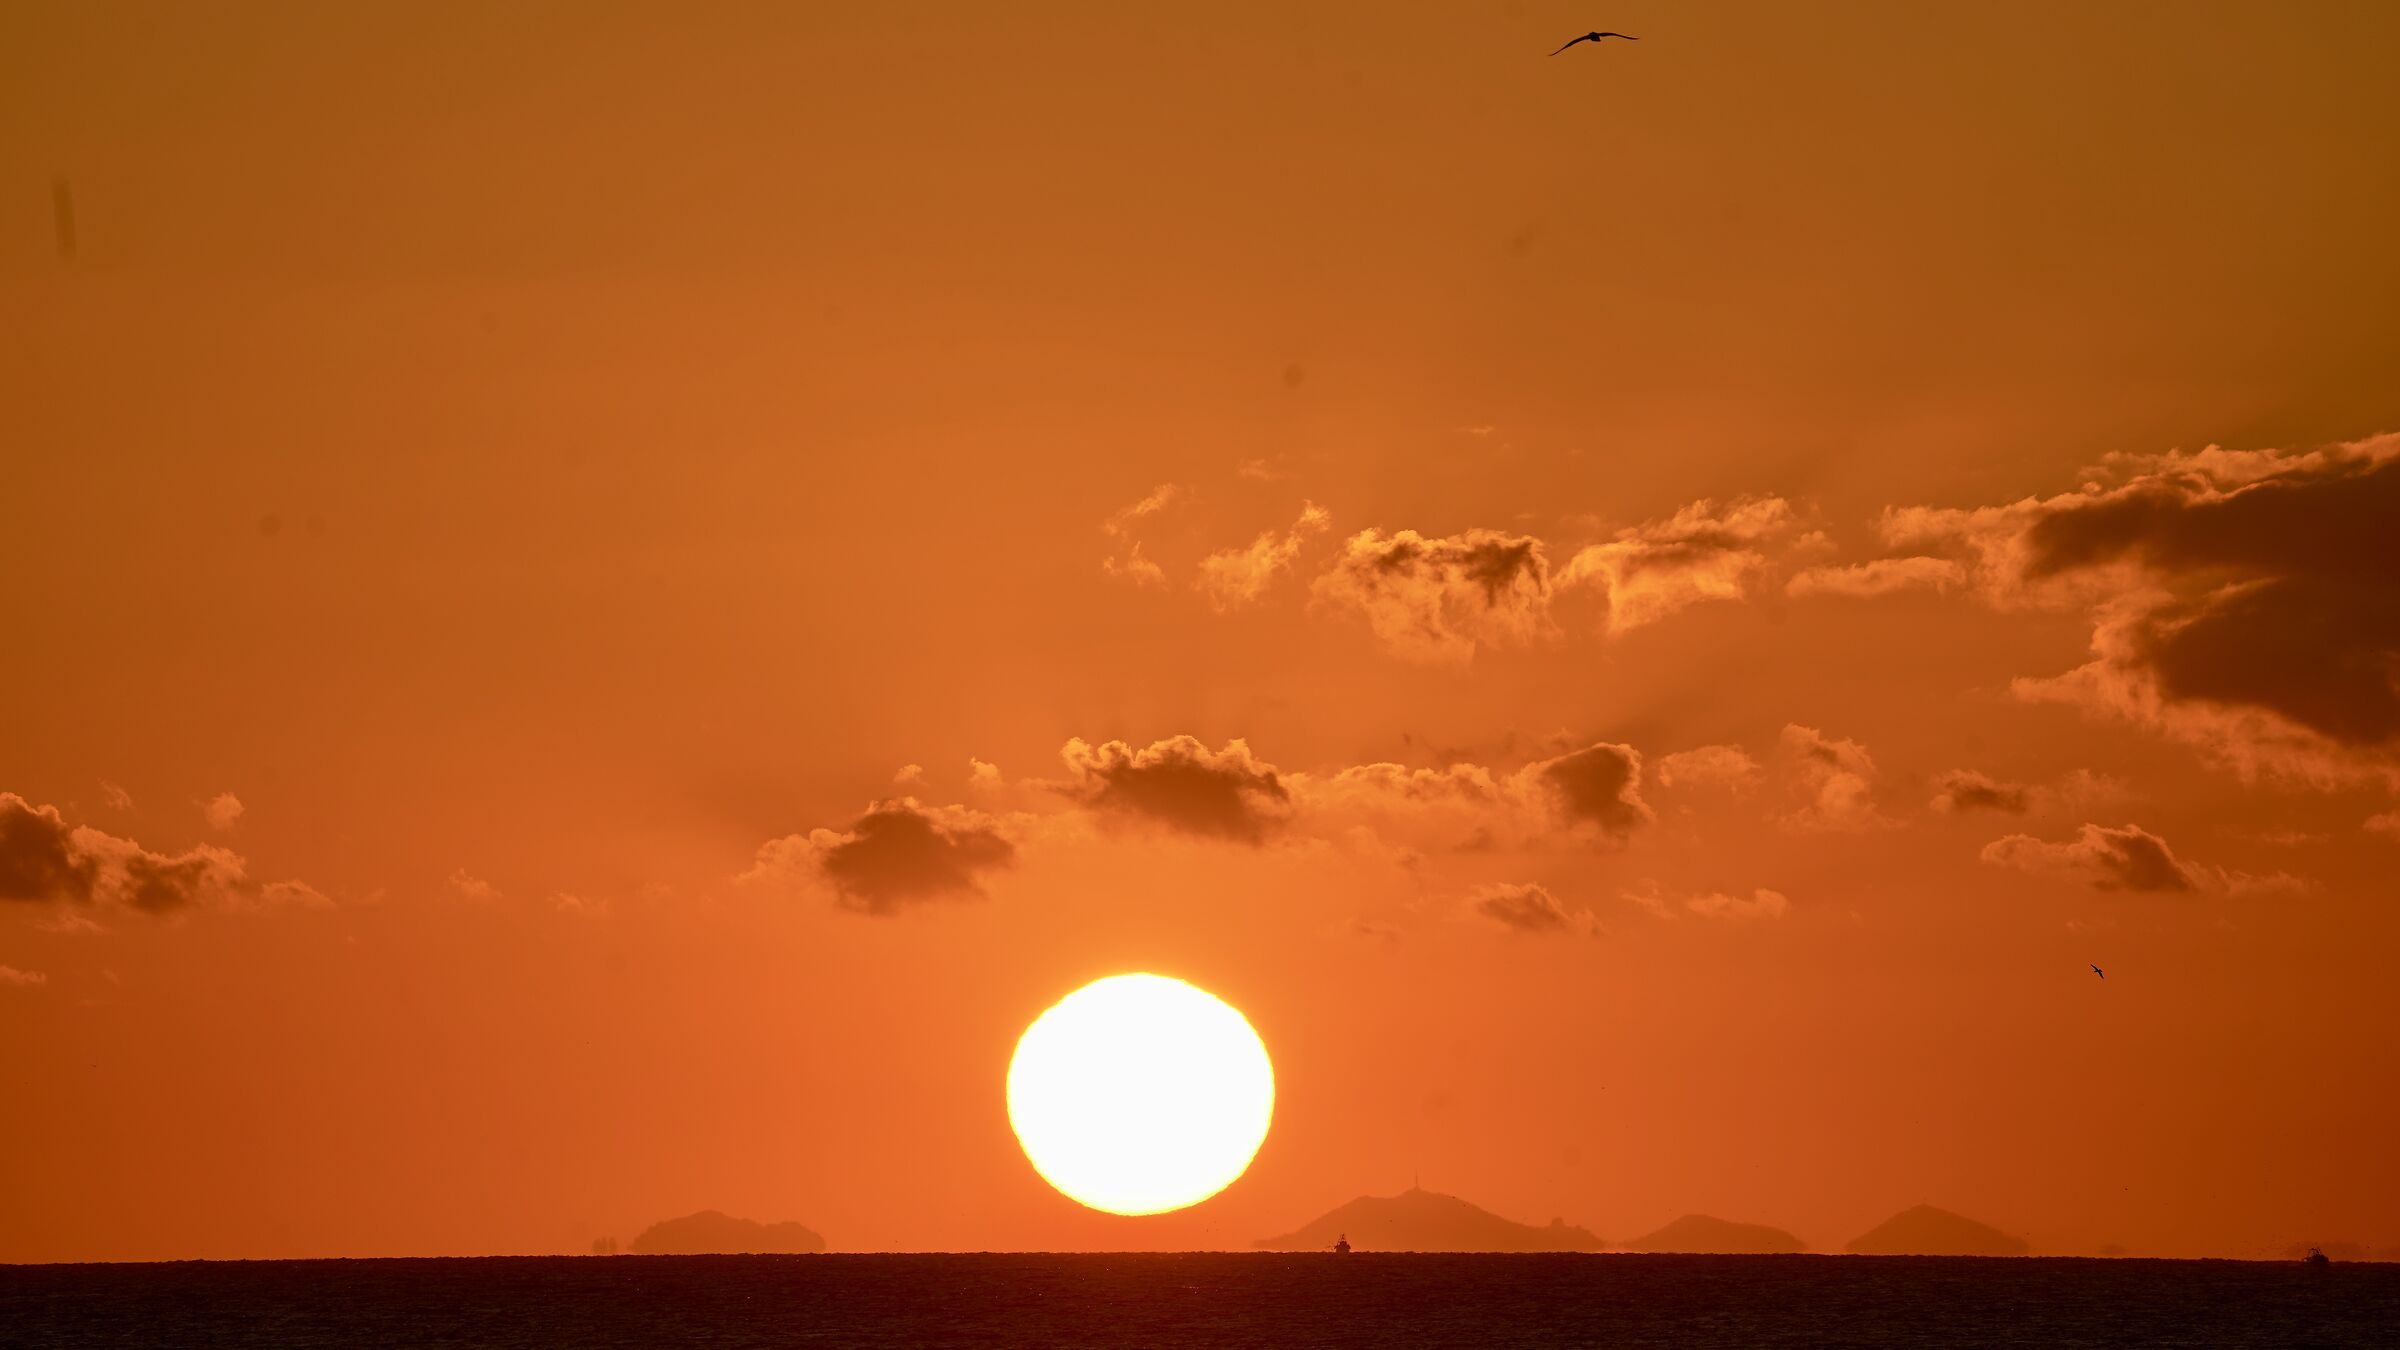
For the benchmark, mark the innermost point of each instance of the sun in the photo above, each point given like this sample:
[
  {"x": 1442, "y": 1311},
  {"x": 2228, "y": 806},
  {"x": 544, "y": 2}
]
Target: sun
[{"x": 1140, "y": 1094}]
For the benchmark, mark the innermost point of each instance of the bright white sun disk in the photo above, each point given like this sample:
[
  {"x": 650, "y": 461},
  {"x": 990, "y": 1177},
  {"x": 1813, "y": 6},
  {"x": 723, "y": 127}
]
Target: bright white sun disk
[{"x": 1139, "y": 1094}]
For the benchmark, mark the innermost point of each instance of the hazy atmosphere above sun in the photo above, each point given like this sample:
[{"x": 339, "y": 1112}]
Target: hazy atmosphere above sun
[{"x": 1791, "y": 614}]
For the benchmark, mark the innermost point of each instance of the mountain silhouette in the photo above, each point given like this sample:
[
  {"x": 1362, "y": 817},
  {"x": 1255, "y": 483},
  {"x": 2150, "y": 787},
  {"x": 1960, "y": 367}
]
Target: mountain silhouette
[
  {"x": 1700, "y": 1233},
  {"x": 709, "y": 1232},
  {"x": 1422, "y": 1221},
  {"x": 1926, "y": 1231}
]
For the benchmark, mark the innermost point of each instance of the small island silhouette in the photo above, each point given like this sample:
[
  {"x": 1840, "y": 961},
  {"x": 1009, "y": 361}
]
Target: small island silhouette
[
  {"x": 2338, "y": 1250},
  {"x": 711, "y": 1232},
  {"x": 1418, "y": 1220},
  {"x": 1923, "y": 1230},
  {"x": 1701, "y": 1233}
]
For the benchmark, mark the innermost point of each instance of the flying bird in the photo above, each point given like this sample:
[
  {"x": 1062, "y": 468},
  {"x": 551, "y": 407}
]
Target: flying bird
[
  {"x": 2099, "y": 972},
  {"x": 1595, "y": 37}
]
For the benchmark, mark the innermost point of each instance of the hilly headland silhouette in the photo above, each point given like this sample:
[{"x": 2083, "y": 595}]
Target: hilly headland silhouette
[
  {"x": 1922, "y": 1230},
  {"x": 1702, "y": 1233},
  {"x": 1418, "y": 1220},
  {"x": 711, "y": 1232}
]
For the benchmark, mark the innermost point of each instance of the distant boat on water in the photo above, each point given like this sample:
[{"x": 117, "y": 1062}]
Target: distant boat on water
[{"x": 2316, "y": 1257}]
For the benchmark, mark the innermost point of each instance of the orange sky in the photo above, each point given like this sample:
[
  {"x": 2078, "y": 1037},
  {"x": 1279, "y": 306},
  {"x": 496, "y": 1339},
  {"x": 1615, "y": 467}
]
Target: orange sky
[{"x": 548, "y": 462}]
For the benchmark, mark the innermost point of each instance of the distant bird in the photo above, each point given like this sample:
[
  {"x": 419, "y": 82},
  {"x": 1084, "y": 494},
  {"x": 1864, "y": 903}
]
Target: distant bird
[
  {"x": 2099, "y": 972},
  {"x": 1595, "y": 37}
]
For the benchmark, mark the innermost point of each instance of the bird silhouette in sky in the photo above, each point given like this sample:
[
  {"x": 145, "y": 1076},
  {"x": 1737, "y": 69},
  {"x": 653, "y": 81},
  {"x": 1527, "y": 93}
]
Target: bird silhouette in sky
[
  {"x": 1595, "y": 37},
  {"x": 2099, "y": 972}
]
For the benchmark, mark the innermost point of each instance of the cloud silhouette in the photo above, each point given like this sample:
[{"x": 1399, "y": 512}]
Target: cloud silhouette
[
  {"x": 2240, "y": 600},
  {"x": 1597, "y": 789},
  {"x": 1962, "y": 790},
  {"x": 1441, "y": 599},
  {"x": 1180, "y": 783},
  {"x": 1438, "y": 600},
  {"x": 44, "y": 860},
  {"x": 897, "y": 854},
  {"x": 37, "y": 860},
  {"x": 2110, "y": 858},
  {"x": 1591, "y": 794}
]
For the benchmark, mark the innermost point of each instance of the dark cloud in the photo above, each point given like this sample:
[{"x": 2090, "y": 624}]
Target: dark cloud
[
  {"x": 2241, "y": 601},
  {"x": 1587, "y": 795},
  {"x": 2111, "y": 858},
  {"x": 43, "y": 859},
  {"x": 159, "y": 885},
  {"x": 1594, "y": 793},
  {"x": 2321, "y": 651},
  {"x": 1440, "y": 599},
  {"x": 37, "y": 861},
  {"x": 1597, "y": 788},
  {"x": 2298, "y": 616},
  {"x": 2327, "y": 513},
  {"x": 1181, "y": 783},
  {"x": 1964, "y": 790},
  {"x": 897, "y": 854}
]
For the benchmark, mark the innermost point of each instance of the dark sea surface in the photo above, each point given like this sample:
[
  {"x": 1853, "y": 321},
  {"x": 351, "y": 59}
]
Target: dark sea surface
[{"x": 1209, "y": 1299}]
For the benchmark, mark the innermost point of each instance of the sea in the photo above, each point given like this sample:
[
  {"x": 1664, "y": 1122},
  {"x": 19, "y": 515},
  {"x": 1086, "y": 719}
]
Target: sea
[{"x": 1158, "y": 1302}]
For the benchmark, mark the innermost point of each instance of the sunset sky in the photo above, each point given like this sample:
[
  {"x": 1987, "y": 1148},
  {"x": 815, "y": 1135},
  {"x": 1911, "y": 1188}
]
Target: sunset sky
[{"x": 605, "y": 601}]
